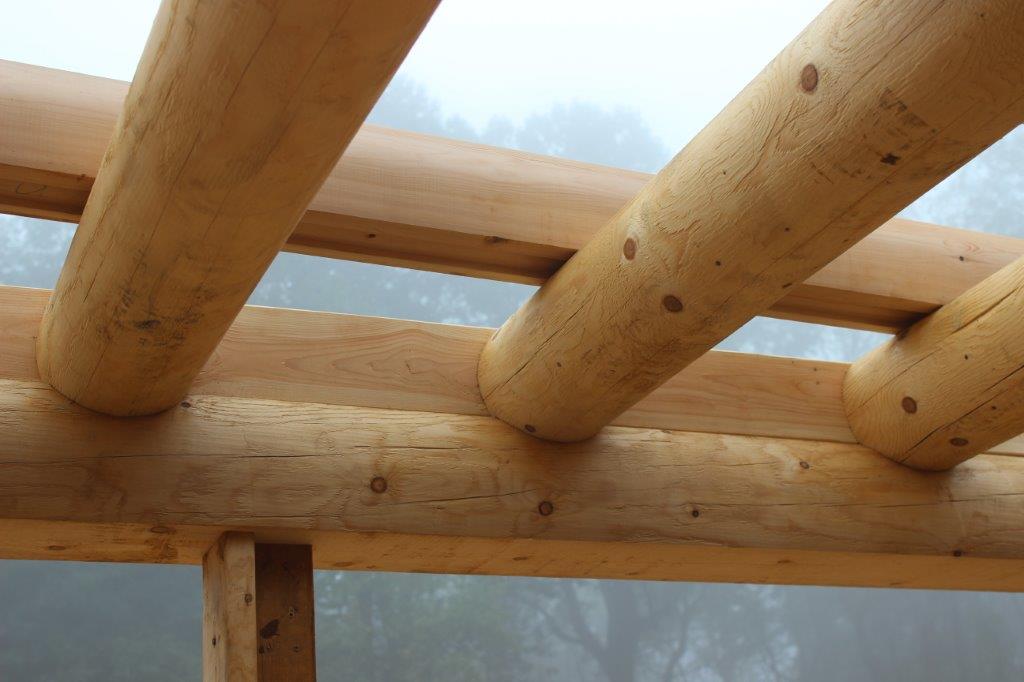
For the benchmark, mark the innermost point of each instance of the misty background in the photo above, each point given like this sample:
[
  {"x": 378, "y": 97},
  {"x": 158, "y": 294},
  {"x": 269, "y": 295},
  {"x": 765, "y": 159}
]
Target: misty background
[{"x": 536, "y": 88}]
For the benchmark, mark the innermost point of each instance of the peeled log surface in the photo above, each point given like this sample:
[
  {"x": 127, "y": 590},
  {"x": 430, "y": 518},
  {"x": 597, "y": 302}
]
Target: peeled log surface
[
  {"x": 237, "y": 114},
  {"x": 952, "y": 386},
  {"x": 867, "y": 109},
  {"x": 415, "y": 491},
  {"x": 401, "y": 198}
]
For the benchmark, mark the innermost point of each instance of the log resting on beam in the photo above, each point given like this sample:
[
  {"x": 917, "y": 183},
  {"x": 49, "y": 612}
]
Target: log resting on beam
[
  {"x": 952, "y": 386},
  {"x": 303, "y": 356},
  {"x": 414, "y": 491},
  {"x": 867, "y": 109},
  {"x": 399, "y": 198},
  {"x": 237, "y": 114}
]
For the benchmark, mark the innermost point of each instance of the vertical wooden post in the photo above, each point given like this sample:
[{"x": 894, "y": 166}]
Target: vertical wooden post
[
  {"x": 229, "y": 610},
  {"x": 258, "y": 619},
  {"x": 284, "y": 613}
]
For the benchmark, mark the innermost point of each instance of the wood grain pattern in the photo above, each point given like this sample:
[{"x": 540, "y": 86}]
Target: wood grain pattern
[
  {"x": 284, "y": 613},
  {"x": 463, "y": 493},
  {"x": 788, "y": 176},
  {"x": 229, "y": 611},
  {"x": 303, "y": 356},
  {"x": 418, "y": 201},
  {"x": 236, "y": 115},
  {"x": 952, "y": 386}
]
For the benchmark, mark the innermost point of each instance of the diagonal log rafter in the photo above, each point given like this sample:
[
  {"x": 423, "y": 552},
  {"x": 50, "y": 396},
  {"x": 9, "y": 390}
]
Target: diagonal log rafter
[{"x": 860, "y": 115}]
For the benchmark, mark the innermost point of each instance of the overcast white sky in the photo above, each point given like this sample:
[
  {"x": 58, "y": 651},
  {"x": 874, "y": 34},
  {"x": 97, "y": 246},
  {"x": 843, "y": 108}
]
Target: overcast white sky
[{"x": 675, "y": 62}]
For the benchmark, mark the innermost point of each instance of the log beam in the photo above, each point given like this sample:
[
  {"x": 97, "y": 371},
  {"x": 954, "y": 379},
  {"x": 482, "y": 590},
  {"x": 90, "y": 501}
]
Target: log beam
[
  {"x": 301, "y": 356},
  {"x": 867, "y": 109},
  {"x": 398, "y": 198},
  {"x": 236, "y": 115},
  {"x": 952, "y": 386},
  {"x": 400, "y": 490}
]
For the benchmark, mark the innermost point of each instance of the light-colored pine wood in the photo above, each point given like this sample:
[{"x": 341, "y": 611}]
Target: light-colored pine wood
[
  {"x": 285, "y": 613},
  {"x": 399, "y": 198},
  {"x": 304, "y": 356},
  {"x": 863, "y": 112},
  {"x": 237, "y": 114},
  {"x": 465, "y": 494},
  {"x": 952, "y": 386},
  {"x": 229, "y": 609}
]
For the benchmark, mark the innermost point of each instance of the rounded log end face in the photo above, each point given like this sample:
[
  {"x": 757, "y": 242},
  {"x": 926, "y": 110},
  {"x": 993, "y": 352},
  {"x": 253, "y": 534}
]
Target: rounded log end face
[
  {"x": 527, "y": 416},
  {"x": 113, "y": 398}
]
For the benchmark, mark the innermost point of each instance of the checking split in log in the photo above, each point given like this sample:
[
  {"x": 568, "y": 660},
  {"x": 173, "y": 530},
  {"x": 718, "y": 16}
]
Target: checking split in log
[
  {"x": 868, "y": 108},
  {"x": 949, "y": 387},
  {"x": 236, "y": 115}
]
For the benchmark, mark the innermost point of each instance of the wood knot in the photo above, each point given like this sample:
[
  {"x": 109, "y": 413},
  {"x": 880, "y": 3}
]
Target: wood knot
[
  {"x": 695, "y": 513},
  {"x": 629, "y": 248},
  {"x": 809, "y": 78},
  {"x": 958, "y": 441},
  {"x": 545, "y": 508},
  {"x": 672, "y": 304},
  {"x": 805, "y": 465},
  {"x": 379, "y": 484},
  {"x": 530, "y": 428},
  {"x": 909, "y": 405}
]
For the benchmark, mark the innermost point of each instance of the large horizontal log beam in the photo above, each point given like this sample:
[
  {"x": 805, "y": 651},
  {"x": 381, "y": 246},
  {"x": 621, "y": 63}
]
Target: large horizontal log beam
[
  {"x": 952, "y": 386},
  {"x": 401, "y": 490},
  {"x": 399, "y": 198},
  {"x": 301, "y": 356}
]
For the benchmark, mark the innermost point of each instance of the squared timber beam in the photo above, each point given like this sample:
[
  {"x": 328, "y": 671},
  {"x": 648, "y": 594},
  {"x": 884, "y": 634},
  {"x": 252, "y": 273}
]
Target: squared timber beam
[{"x": 400, "y": 198}]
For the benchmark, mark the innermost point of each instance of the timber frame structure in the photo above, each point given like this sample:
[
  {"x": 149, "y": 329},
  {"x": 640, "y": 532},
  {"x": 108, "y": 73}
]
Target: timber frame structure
[{"x": 147, "y": 415}]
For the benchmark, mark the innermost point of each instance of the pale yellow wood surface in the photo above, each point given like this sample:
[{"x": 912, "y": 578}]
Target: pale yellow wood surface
[
  {"x": 400, "y": 198},
  {"x": 952, "y": 386},
  {"x": 237, "y": 114},
  {"x": 868, "y": 108},
  {"x": 465, "y": 494},
  {"x": 335, "y": 359},
  {"x": 229, "y": 609}
]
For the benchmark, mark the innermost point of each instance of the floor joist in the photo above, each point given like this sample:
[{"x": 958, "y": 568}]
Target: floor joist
[{"x": 400, "y": 198}]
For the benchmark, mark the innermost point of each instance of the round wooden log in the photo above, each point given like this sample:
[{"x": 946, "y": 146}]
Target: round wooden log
[
  {"x": 868, "y": 108},
  {"x": 237, "y": 113},
  {"x": 951, "y": 386}
]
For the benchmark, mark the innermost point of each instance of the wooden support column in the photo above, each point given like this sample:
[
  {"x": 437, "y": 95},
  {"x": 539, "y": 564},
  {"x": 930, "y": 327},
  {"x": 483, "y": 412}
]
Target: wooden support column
[
  {"x": 951, "y": 386},
  {"x": 229, "y": 609},
  {"x": 285, "y": 613},
  {"x": 868, "y": 108},
  {"x": 258, "y": 611},
  {"x": 237, "y": 114}
]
